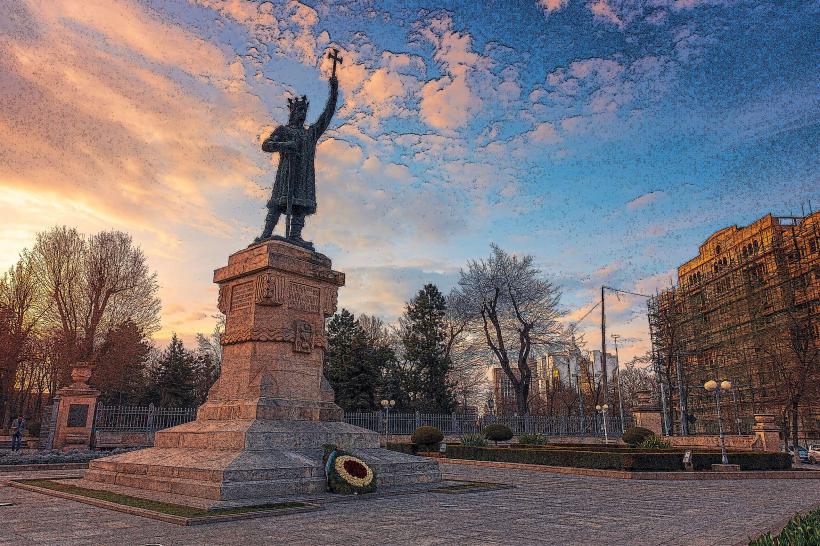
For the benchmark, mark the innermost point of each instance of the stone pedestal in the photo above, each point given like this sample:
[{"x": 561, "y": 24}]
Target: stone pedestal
[
  {"x": 259, "y": 435},
  {"x": 75, "y": 411},
  {"x": 646, "y": 414},
  {"x": 766, "y": 432}
]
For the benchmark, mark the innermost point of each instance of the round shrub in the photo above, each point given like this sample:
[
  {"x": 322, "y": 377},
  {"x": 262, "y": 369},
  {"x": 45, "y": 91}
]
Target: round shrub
[
  {"x": 635, "y": 435},
  {"x": 655, "y": 442},
  {"x": 427, "y": 437},
  {"x": 497, "y": 433}
]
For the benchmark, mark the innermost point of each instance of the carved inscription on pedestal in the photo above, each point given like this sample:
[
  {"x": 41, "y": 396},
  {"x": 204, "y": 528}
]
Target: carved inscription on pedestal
[
  {"x": 242, "y": 296},
  {"x": 302, "y": 297}
]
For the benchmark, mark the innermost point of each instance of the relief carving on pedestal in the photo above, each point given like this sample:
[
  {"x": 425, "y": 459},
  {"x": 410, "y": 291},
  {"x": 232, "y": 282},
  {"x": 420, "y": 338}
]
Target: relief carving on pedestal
[
  {"x": 270, "y": 289},
  {"x": 330, "y": 300},
  {"x": 224, "y": 302},
  {"x": 303, "y": 336}
]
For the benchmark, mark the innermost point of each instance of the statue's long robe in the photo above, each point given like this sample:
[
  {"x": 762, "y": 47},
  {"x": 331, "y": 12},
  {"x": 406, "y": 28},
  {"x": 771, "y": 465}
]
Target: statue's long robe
[{"x": 297, "y": 150}]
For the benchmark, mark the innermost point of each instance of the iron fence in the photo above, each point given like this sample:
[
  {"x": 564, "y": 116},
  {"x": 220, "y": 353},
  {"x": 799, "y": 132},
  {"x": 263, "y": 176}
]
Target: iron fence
[
  {"x": 457, "y": 424},
  {"x": 151, "y": 419},
  {"x": 741, "y": 425},
  {"x": 140, "y": 418}
]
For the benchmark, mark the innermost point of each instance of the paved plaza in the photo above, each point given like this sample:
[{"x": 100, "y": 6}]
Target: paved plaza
[{"x": 542, "y": 508}]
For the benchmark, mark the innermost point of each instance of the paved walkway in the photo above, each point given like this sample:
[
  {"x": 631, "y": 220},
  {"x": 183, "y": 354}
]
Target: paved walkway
[{"x": 541, "y": 509}]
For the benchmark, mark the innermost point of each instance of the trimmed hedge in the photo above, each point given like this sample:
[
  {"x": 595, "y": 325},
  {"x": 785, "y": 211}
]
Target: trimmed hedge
[
  {"x": 602, "y": 460},
  {"x": 747, "y": 461},
  {"x": 632, "y": 460},
  {"x": 409, "y": 449}
]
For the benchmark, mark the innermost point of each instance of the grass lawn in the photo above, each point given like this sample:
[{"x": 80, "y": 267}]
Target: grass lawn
[
  {"x": 157, "y": 506},
  {"x": 465, "y": 487}
]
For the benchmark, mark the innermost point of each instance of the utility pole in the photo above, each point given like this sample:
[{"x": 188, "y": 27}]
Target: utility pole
[
  {"x": 603, "y": 349},
  {"x": 682, "y": 406},
  {"x": 618, "y": 378}
]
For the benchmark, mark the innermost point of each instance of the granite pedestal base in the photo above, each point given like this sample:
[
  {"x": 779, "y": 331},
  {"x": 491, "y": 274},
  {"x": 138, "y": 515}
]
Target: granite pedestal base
[
  {"x": 259, "y": 435},
  {"x": 244, "y": 463}
]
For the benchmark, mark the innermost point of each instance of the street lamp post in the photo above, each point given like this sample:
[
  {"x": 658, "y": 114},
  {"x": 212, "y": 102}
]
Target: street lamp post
[
  {"x": 712, "y": 386},
  {"x": 602, "y": 410},
  {"x": 387, "y": 405}
]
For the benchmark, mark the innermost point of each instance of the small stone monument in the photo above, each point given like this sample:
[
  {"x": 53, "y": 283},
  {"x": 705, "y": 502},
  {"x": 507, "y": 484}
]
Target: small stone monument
[
  {"x": 75, "y": 410},
  {"x": 647, "y": 414},
  {"x": 766, "y": 432},
  {"x": 259, "y": 437}
]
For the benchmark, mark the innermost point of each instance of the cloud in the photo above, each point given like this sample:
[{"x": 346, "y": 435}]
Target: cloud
[
  {"x": 550, "y": 6},
  {"x": 622, "y": 13},
  {"x": 449, "y": 101},
  {"x": 544, "y": 133},
  {"x": 598, "y": 86},
  {"x": 646, "y": 199}
]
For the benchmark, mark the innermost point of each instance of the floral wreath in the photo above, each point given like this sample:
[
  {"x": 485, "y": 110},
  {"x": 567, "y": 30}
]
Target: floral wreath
[{"x": 347, "y": 474}]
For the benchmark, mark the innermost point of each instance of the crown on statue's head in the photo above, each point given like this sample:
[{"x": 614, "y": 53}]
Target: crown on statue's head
[{"x": 298, "y": 103}]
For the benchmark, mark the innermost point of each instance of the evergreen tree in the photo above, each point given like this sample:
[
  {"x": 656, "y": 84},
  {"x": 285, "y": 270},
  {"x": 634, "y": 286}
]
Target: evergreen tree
[
  {"x": 120, "y": 371},
  {"x": 174, "y": 374},
  {"x": 424, "y": 339},
  {"x": 352, "y": 364}
]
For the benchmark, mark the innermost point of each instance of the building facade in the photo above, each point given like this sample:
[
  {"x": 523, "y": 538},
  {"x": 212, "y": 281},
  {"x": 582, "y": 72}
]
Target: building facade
[{"x": 744, "y": 309}]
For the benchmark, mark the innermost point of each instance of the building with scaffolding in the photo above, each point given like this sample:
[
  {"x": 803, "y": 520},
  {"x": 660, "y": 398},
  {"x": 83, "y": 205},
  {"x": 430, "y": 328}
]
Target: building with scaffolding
[{"x": 744, "y": 309}]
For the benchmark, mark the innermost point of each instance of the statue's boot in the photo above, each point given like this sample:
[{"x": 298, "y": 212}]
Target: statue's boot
[
  {"x": 296, "y": 225},
  {"x": 270, "y": 222}
]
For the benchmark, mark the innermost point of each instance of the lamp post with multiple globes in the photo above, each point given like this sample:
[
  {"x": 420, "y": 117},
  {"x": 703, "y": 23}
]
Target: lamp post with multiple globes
[
  {"x": 713, "y": 386},
  {"x": 602, "y": 410},
  {"x": 387, "y": 405}
]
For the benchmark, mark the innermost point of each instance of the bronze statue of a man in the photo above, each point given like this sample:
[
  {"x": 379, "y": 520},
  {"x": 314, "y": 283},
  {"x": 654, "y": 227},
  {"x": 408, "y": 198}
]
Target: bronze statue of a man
[{"x": 294, "y": 191}]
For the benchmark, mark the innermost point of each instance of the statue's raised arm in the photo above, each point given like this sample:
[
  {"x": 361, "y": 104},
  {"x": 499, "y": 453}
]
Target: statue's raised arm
[{"x": 330, "y": 108}]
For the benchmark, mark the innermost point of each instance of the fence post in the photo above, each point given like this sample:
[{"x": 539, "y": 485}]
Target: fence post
[
  {"x": 418, "y": 419},
  {"x": 149, "y": 425}
]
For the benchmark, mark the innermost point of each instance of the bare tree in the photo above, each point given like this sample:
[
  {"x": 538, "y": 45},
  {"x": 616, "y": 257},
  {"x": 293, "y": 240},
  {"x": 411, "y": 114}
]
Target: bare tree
[
  {"x": 637, "y": 376},
  {"x": 93, "y": 285},
  {"x": 19, "y": 296},
  {"x": 506, "y": 301}
]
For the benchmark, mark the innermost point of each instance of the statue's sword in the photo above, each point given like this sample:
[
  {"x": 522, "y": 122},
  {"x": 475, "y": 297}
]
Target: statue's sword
[{"x": 288, "y": 209}]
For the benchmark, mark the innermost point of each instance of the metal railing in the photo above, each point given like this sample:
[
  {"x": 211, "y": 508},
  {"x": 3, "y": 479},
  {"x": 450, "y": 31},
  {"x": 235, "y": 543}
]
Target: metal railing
[
  {"x": 456, "y": 424},
  {"x": 150, "y": 419},
  {"x": 140, "y": 418},
  {"x": 709, "y": 427}
]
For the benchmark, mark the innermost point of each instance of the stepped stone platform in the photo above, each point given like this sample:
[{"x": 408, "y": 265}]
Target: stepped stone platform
[{"x": 259, "y": 436}]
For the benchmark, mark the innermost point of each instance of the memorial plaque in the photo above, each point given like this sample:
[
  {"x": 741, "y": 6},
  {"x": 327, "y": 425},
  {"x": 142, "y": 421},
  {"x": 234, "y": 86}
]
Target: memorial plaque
[
  {"x": 303, "y": 297},
  {"x": 77, "y": 415}
]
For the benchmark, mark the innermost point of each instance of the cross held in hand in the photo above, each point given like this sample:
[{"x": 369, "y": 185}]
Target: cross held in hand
[{"x": 336, "y": 58}]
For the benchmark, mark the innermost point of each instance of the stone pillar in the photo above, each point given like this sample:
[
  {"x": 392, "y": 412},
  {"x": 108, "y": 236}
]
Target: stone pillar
[
  {"x": 75, "y": 406},
  {"x": 766, "y": 432},
  {"x": 647, "y": 414},
  {"x": 276, "y": 297}
]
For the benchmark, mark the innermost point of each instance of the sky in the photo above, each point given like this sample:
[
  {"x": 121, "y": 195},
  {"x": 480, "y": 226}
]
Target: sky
[{"x": 607, "y": 138}]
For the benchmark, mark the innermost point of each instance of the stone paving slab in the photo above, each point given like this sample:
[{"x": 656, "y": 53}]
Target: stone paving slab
[{"x": 542, "y": 509}]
